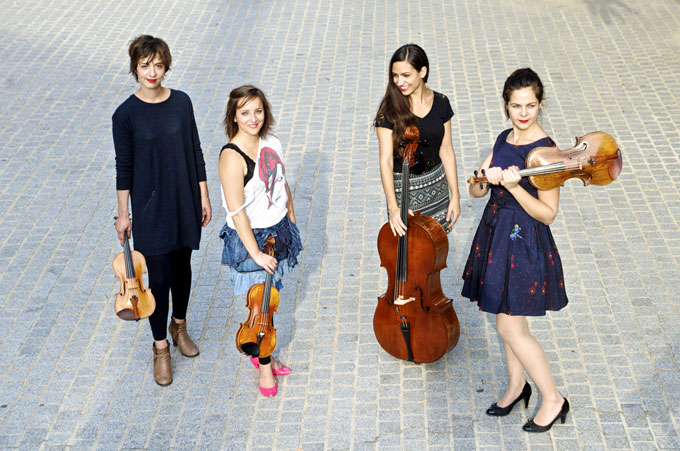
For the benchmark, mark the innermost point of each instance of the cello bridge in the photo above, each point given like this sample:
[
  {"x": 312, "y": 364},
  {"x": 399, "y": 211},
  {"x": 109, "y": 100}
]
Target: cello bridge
[{"x": 401, "y": 301}]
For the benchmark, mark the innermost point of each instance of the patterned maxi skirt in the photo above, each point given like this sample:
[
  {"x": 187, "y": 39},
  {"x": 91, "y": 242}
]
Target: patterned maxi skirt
[{"x": 428, "y": 193}]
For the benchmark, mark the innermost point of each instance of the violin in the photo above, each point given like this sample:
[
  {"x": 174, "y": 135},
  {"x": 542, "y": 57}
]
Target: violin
[
  {"x": 257, "y": 335},
  {"x": 133, "y": 302},
  {"x": 413, "y": 320},
  {"x": 595, "y": 159}
]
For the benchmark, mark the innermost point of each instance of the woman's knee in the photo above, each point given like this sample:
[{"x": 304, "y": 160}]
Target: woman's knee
[{"x": 511, "y": 328}]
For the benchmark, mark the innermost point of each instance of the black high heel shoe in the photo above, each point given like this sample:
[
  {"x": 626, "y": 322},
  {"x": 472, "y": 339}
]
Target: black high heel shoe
[
  {"x": 533, "y": 427},
  {"x": 496, "y": 411}
]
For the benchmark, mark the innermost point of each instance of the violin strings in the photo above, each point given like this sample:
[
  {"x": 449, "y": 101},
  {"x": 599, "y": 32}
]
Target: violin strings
[
  {"x": 545, "y": 169},
  {"x": 263, "y": 322},
  {"x": 552, "y": 168}
]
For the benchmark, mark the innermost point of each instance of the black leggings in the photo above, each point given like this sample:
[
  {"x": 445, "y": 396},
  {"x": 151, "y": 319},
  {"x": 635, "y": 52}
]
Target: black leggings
[{"x": 168, "y": 272}]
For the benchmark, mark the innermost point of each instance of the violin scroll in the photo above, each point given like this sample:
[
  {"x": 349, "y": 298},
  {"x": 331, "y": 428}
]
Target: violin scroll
[{"x": 412, "y": 136}]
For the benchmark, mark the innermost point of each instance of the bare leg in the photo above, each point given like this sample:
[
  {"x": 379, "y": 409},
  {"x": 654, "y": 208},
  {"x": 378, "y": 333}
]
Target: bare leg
[
  {"x": 266, "y": 376},
  {"x": 515, "y": 333},
  {"x": 516, "y": 379}
]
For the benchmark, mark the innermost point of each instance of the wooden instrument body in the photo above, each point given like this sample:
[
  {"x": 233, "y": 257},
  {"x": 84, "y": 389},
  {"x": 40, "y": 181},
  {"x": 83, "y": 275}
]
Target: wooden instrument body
[
  {"x": 434, "y": 326},
  {"x": 595, "y": 159},
  {"x": 259, "y": 327},
  {"x": 414, "y": 320},
  {"x": 257, "y": 336},
  {"x": 134, "y": 301}
]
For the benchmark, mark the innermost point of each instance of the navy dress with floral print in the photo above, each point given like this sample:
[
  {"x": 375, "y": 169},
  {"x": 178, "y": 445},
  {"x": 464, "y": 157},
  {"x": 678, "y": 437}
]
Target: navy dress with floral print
[{"x": 513, "y": 266}]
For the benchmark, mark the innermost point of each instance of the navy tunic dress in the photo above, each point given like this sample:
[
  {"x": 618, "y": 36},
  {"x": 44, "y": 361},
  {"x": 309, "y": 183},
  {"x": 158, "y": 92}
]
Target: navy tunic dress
[
  {"x": 513, "y": 266},
  {"x": 159, "y": 159}
]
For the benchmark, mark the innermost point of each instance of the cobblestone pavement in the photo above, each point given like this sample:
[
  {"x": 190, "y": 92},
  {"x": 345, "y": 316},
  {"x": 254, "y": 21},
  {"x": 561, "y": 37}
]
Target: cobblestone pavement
[{"x": 73, "y": 376}]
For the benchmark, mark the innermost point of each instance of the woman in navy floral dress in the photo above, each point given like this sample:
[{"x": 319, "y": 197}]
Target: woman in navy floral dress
[{"x": 514, "y": 269}]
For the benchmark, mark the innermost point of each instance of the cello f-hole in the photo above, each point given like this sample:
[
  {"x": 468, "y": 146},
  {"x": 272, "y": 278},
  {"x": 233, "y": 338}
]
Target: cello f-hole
[{"x": 422, "y": 305}]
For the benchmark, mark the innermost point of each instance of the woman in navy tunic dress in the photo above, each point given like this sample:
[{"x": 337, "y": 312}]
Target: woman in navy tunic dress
[
  {"x": 160, "y": 171},
  {"x": 514, "y": 269}
]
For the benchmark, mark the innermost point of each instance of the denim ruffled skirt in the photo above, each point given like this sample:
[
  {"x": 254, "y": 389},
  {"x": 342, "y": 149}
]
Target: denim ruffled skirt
[{"x": 243, "y": 270}]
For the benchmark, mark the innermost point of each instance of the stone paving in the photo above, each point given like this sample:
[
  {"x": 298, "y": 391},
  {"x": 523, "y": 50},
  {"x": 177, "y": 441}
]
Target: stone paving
[{"x": 73, "y": 376}]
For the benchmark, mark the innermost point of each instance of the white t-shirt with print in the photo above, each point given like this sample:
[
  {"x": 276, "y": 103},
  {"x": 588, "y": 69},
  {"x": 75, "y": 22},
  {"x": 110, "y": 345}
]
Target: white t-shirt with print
[{"x": 265, "y": 193}]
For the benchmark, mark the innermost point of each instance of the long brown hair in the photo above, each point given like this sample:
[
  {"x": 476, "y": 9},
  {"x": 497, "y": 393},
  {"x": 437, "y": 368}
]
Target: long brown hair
[
  {"x": 239, "y": 97},
  {"x": 395, "y": 107}
]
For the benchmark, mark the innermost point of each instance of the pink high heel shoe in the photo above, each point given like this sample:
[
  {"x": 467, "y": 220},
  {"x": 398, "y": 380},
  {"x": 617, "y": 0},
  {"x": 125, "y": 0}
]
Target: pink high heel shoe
[
  {"x": 269, "y": 392},
  {"x": 283, "y": 371}
]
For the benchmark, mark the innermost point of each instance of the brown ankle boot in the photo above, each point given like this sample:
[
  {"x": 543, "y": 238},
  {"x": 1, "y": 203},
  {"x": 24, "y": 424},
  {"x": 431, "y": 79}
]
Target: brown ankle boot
[
  {"x": 178, "y": 332},
  {"x": 162, "y": 368}
]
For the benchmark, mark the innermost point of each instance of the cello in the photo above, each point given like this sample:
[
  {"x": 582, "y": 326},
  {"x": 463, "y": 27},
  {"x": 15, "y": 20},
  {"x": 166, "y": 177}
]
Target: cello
[
  {"x": 413, "y": 320},
  {"x": 595, "y": 159},
  {"x": 133, "y": 302},
  {"x": 257, "y": 336}
]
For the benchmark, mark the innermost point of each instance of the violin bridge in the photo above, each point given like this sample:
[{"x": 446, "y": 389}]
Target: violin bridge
[{"x": 401, "y": 301}]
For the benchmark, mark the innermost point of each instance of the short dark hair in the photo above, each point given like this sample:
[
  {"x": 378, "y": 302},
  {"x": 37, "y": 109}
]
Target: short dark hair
[
  {"x": 522, "y": 78},
  {"x": 239, "y": 97},
  {"x": 148, "y": 47}
]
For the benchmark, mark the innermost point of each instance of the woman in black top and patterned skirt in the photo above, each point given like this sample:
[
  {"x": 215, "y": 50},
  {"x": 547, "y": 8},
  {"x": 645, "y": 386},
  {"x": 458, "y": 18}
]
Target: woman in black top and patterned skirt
[
  {"x": 408, "y": 101},
  {"x": 160, "y": 170}
]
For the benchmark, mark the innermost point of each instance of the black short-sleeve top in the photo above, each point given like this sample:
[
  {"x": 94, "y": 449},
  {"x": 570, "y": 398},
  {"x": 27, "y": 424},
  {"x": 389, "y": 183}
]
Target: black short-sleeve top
[{"x": 431, "y": 128}]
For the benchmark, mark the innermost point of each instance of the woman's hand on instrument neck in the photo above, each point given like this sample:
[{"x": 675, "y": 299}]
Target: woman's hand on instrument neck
[
  {"x": 123, "y": 226},
  {"x": 396, "y": 224},
  {"x": 267, "y": 262},
  {"x": 494, "y": 175},
  {"x": 509, "y": 178}
]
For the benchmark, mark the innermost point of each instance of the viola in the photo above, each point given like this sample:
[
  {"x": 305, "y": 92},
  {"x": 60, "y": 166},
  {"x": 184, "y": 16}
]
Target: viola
[
  {"x": 133, "y": 302},
  {"x": 257, "y": 336},
  {"x": 413, "y": 320},
  {"x": 595, "y": 159}
]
